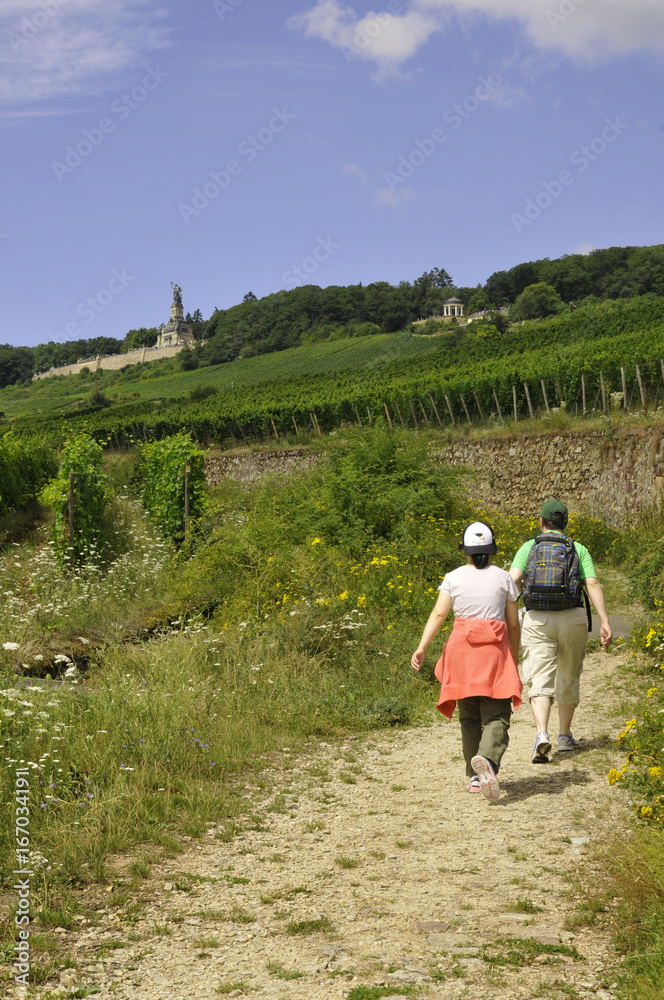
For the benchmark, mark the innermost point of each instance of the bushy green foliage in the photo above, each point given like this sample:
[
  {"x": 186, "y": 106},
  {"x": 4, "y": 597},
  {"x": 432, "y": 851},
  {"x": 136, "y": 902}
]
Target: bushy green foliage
[
  {"x": 82, "y": 456},
  {"x": 163, "y": 473},
  {"x": 24, "y": 468},
  {"x": 536, "y": 301}
]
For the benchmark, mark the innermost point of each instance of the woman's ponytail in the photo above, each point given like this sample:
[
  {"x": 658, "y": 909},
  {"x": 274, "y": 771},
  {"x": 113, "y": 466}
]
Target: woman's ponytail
[{"x": 480, "y": 559}]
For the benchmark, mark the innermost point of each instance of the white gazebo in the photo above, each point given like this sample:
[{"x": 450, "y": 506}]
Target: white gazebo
[{"x": 453, "y": 307}]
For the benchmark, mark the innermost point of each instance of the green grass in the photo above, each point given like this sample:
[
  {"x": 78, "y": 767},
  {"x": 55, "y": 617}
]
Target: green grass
[
  {"x": 276, "y": 969},
  {"x": 525, "y": 906},
  {"x": 321, "y": 925}
]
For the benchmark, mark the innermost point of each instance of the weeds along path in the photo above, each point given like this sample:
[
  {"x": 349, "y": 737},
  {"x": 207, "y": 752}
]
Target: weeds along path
[{"x": 367, "y": 864}]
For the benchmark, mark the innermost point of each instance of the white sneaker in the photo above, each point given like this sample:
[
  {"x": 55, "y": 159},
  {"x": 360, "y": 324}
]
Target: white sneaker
[
  {"x": 489, "y": 786},
  {"x": 474, "y": 783},
  {"x": 567, "y": 742},
  {"x": 541, "y": 749}
]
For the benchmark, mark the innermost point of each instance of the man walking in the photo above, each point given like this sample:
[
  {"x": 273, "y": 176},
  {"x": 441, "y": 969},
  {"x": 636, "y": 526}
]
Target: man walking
[{"x": 554, "y": 571}]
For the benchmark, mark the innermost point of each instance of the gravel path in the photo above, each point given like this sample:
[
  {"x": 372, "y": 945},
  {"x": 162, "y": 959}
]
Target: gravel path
[{"x": 401, "y": 877}]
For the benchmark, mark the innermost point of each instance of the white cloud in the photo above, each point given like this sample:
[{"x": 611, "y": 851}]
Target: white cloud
[
  {"x": 386, "y": 39},
  {"x": 355, "y": 170},
  {"x": 395, "y": 198},
  {"x": 586, "y": 29},
  {"x": 59, "y": 47},
  {"x": 584, "y": 248}
]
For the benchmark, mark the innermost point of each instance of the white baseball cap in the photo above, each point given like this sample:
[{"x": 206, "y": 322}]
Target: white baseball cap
[{"x": 477, "y": 538}]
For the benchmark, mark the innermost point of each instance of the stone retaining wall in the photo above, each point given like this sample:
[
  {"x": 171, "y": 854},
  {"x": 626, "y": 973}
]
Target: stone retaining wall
[
  {"x": 114, "y": 361},
  {"x": 610, "y": 477},
  {"x": 614, "y": 478},
  {"x": 247, "y": 467}
]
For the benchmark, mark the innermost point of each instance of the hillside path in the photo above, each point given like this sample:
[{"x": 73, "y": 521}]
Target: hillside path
[{"x": 378, "y": 836}]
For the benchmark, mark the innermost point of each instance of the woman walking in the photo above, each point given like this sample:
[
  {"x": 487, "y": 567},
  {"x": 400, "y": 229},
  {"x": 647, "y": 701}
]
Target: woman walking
[{"x": 478, "y": 667}]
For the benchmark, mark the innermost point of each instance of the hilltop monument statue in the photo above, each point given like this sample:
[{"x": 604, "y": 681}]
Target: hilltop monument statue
[{"x": 176, "y": 332}]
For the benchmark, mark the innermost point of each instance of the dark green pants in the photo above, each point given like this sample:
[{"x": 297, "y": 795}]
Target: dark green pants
[{"x": 485, "y": 724}]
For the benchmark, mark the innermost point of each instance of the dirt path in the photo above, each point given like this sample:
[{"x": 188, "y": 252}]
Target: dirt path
[{"x": 377, "y": 840}]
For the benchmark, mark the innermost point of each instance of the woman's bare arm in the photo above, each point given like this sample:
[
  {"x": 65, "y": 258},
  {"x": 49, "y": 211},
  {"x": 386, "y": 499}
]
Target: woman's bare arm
[
  {"x": 436, "y": 619},
  {"x": 513, "y": 627}
]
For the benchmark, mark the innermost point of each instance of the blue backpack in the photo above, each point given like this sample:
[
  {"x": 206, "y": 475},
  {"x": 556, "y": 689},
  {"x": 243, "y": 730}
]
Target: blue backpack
[{"x": 552, "y": 581}]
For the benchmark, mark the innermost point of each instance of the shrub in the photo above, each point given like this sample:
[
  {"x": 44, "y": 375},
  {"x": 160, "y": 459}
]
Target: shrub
[
  {"x": 24, "y": 468},
  {"x": 163, "y": 475},
  {"x": 82, "y": 456}
]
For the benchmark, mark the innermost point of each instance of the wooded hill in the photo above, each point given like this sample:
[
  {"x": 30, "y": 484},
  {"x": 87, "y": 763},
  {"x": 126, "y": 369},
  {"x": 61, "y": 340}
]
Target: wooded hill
[
  {"x": 472, "y": 372},
  {"x": 310, "y": 314}
]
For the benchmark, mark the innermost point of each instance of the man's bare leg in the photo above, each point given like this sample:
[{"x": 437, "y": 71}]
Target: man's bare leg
[{"x": 541, "y": 708}]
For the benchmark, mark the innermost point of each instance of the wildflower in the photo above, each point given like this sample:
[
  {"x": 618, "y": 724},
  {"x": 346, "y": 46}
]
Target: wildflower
[
  {"x": 316, "y": 541},
  {"x": 10, "y": 645},
  {"x": 654, "y": 772},
  {"x": 614, "y": 776}
]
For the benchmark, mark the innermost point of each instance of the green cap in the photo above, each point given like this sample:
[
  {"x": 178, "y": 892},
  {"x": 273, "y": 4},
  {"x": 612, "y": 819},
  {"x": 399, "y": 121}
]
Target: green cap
[{"x": 552, "y": 507}]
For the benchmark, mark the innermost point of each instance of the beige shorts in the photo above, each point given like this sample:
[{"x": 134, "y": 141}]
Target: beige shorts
[{"x": 554, "y": 645}]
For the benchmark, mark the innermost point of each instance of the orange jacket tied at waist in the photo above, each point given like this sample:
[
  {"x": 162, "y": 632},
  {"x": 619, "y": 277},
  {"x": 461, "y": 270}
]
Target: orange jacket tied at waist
[{"x": 477, "y": 660}]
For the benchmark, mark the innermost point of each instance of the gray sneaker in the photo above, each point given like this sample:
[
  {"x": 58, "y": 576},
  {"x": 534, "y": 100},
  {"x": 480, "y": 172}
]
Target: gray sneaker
[
  {"x": 567, "y": 742},
  {"x": 541, "y": 749}
]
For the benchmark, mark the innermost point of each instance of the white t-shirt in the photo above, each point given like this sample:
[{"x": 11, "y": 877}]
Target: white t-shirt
[{"x": 479, "y": 593}]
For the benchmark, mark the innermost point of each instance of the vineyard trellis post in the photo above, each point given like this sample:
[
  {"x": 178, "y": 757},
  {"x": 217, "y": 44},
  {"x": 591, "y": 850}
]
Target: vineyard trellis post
[
  {"x": 463, "y": 403},
  {"x": 603, "y": 391},
  {"x": 412, "y": 410},
  {"x": 477, "y": 403},
  {"x": 387, "y": 414},
  {"x": 583, "y": 394},
  {"x": 297, "y": 429},
  {"x": 276, "y": 434},
  {"x": 641, "y": 386},
  {"x": 560, "y": 392},
  {"x": 187, "y": 477},
  {"x": 530, "y": 405},
  {"x": 399, "y": 413},
  {"x": 495, "y": 396},
  {"x": 516, "y": 410},
  {"x": 72, "y": 496},
  {"x": 424, "y": 413},
  {"x": 435, "y": 410},
  {"x": 624, "y": 388},
  {"x": 357, "y": 415},
  {"x": 546, "y": 398},
  {"x": 449, "y": 407},
  {"x": 369, "y": 415}
]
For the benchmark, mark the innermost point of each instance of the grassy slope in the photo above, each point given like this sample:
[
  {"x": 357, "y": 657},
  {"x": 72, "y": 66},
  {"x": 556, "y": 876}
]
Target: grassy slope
[{"x": 146, "y": 382}]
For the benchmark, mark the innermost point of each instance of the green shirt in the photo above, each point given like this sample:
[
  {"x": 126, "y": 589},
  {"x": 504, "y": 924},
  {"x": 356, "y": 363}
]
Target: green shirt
[{"x": 586, "y": 567}]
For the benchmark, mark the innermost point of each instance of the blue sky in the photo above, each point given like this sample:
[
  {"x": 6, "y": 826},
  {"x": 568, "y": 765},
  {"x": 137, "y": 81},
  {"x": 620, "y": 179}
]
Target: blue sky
[{"x": 236, "y": 145}]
